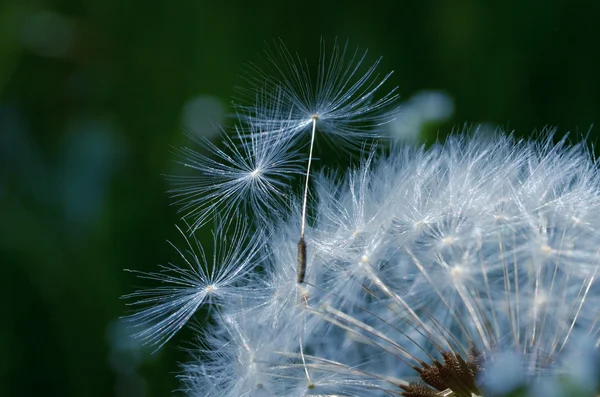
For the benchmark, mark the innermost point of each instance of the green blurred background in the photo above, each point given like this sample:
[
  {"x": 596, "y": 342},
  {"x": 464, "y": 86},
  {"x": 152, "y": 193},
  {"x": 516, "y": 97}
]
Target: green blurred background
[{"x": 95, "y": 94}]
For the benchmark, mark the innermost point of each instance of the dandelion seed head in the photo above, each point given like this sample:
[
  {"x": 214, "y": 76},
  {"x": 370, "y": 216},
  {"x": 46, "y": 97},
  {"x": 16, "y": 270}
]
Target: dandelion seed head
[
  {"x": 497, "y": 276},
  {"x": 460, "y": 269}
]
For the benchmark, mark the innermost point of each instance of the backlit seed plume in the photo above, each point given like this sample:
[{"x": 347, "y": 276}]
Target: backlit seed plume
[
  {"x": 341, "y": 94},
  {"x": 250, "y": 175},
  {"x": 196, "y": 280},
  {"x": 426, "y": 268}
]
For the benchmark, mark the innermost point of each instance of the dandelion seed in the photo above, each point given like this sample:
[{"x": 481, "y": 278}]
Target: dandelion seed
[
  {"x": 302, "y": 243},
  {"x": 166, "y": 309},
  {"x": 340, "y": 99},
  {"x": 249, "y": 176},
  {"x": 339, "y": 103}
]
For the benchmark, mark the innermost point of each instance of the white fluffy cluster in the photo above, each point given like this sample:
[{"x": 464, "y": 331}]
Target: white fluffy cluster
[{"x": 486, "y": 245}]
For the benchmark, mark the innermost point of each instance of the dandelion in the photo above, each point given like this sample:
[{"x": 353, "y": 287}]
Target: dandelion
[
  {"x": 424, "y": 272},
  {"x": 424, "y": 266},
  {"x": 487, "y": 264}
]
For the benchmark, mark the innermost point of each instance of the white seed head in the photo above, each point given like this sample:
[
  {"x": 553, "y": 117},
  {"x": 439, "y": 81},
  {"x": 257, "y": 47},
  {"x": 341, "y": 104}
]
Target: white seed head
[{"x": 458, "y": 258}]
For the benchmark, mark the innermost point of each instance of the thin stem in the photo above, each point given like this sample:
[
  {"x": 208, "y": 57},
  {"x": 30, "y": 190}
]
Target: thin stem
[
  {"x": 312, "y": 141},
  {"x": 301, "y": 269},
  {"x": 310, "y": 383}
]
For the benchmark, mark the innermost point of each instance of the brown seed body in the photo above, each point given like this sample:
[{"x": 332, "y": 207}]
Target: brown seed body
[{"x": 301, "y": 269}]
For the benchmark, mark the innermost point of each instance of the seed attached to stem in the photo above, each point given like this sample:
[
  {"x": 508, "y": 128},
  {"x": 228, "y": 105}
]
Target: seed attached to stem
[{"x": 301, "y": 268}]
